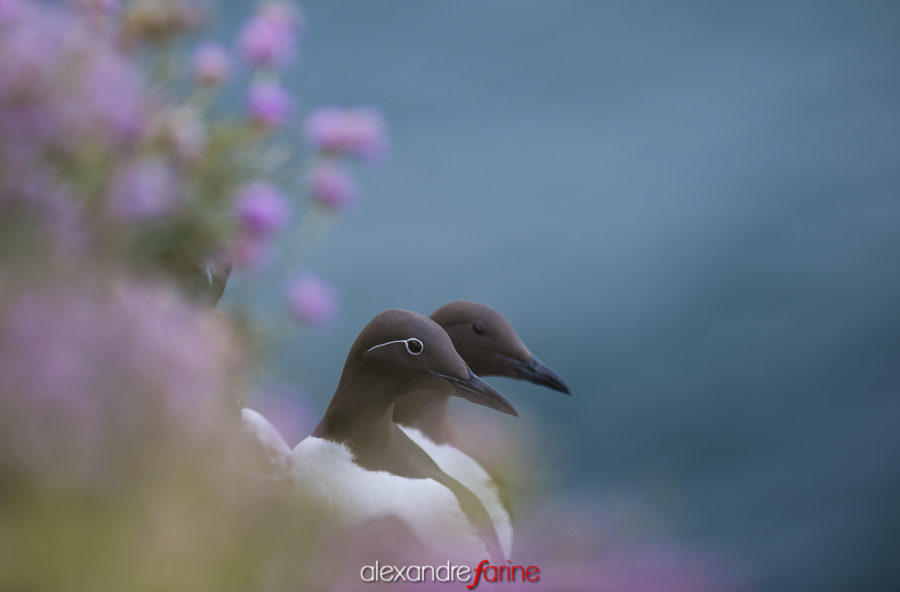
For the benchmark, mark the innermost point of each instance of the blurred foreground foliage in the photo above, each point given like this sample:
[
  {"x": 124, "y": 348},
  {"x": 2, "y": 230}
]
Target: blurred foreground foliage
[{"x": 122, "y": 466}]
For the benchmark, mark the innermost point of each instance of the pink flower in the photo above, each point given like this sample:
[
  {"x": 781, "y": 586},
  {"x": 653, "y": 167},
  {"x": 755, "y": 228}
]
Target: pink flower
[
  {"x": 312, "y": 300},
  {"x": 261, "y": 212},
  {"x": 261, "y": 209},
  {"x": 211, "y": 64},
  {"x": 359, "y": 133},
  {"x": 116, "y": 94},
  {"x": 269, "y": 104},
  {"x": 269, "y": 39},
  {"x": 143, "y": 190},
  {"x": 332, "y": 186}
]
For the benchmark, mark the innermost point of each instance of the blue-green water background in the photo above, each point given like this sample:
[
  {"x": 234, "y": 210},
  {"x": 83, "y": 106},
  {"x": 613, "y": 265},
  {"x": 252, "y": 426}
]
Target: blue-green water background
[{"x": 689, "y": 210}]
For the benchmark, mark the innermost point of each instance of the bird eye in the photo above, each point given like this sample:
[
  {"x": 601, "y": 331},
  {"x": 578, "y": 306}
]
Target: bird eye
[
  {"x": 478, "y": 328},
  {"x": 414, "y": 346}
]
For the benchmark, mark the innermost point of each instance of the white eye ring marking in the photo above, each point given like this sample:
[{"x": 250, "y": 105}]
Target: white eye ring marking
[{"x": 417, "y": 344}]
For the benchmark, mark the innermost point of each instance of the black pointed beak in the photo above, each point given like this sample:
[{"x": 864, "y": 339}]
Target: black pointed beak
[
  {"x": 478, "y": 391},
  {"x": 535, "y": 371}
]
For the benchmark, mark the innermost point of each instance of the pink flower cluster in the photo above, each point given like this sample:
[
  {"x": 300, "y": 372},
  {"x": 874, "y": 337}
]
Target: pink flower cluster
[
  {"x": 63, "y": 86},
  {"x": 85, "y": 361},
  {"x": 72, "y": 100},
  {"x": 336, "y": 134},
  {"x": 267, "y": 42},
  {"x": 269, "y": 39},
  {"x": 357, "y": 133},
  {"x": 269, "y": 104}
]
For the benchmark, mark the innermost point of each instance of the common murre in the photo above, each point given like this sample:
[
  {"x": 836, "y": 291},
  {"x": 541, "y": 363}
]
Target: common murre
[
  {"x": 490, "y": 346},
  {"x": 360, "y": 466}
]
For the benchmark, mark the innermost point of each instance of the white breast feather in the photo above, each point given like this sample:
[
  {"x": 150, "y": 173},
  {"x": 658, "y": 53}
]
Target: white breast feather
[
  {"x": 325, "y": 471},
  {"x": 470, "y": 473}
]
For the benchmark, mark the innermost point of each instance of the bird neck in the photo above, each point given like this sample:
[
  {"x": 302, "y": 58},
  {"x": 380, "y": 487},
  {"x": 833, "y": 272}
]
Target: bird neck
[
  {"x": 360, "y": 412},
  {"x": 428, "y": 412}
]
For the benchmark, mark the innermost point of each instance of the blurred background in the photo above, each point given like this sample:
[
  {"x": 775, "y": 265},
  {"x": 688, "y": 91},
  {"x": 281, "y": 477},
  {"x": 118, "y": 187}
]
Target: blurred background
[{"x": 688, "y": 210}]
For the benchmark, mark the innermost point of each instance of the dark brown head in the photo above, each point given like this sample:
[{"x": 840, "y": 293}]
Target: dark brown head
[
  {"x": 410, "y": 352},
  {"x": 490, "y": 346}
]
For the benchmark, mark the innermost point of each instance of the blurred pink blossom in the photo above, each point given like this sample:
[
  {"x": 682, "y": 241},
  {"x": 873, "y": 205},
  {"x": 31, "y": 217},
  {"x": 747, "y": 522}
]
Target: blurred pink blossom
[
  {"x": 261, "y": 209},
  {"x": 312, "y": 300},
  {"x": 10, "y": 10},
  {"x": 116, "y": 93},
  {"x": 332, "y": 186},
  {"x": 211, "y": 64},
  {"x": 84, "y": 362},
  {"x": 64, "y": 85},
  {"x": 143, "y": 190},
  {"x": 662, "y": 568},
  {"x": 359, "y": 133},
  {"x": 605, "y": 545},
  {"x": 269, "y": 39},
  {"x": 269, "y": 104}
]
